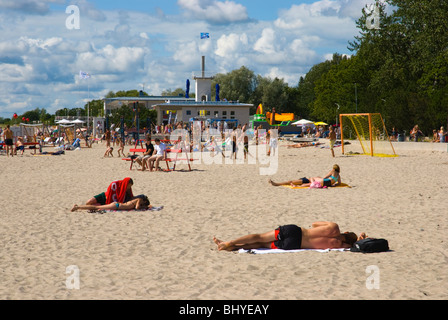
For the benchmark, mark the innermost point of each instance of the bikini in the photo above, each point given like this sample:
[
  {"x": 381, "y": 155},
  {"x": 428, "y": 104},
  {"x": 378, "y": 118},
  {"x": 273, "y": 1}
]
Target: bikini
[{"x": 328, "y": 183}]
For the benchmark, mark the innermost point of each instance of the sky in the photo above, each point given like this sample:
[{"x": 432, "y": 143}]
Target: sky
[{"x": 156, "y": 45}]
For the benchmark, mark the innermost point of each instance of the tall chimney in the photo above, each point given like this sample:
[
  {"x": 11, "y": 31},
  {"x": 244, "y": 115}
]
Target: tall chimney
[{"x": 203, "y": 66}]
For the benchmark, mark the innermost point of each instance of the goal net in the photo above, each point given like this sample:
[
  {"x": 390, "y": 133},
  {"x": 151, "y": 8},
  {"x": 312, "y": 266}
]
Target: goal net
[{"x": 368, "y": 134}]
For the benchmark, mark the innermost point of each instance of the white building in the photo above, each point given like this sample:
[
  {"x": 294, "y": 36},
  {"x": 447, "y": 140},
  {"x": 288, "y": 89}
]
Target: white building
[
  {"x": 172, "y": 108},
  {"x": 202, "y": 108}
]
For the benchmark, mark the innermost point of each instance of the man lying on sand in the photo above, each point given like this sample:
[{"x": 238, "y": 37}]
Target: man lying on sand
[{"x": 322, "y": 235}]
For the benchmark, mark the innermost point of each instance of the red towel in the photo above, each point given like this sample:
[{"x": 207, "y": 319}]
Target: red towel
[{"x": 116, "y": 192}]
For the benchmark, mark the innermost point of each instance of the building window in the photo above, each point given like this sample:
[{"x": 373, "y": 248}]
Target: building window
[
  {"x": 188, "y": 112},
  {"x": 232, "y": 113},
  {"x": 216, "y": 113},
  {"x": 224, "y": 113}
]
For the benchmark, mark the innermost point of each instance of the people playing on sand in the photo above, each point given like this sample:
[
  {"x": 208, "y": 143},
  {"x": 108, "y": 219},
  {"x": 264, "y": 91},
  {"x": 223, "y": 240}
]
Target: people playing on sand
[
  {"x": 138, "y": 203},
  {"x": 331, "y": 179},
  {"x": 321, "y": 235},
  {"x": 332, "y": 137},
  {"x": 107, "y": 137},
  {"x": 108, "y": 152},
  {"x": 120, "y": 143},
  {"x": 118, "y": 191},
  {"x": 159, "y": 153}
]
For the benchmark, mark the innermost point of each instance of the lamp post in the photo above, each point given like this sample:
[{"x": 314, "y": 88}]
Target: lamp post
[{"x": 337, "y": 113}]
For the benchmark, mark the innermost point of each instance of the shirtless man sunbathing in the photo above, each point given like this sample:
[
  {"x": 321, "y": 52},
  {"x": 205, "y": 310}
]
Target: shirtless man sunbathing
[{"x": 322, "y": 235}]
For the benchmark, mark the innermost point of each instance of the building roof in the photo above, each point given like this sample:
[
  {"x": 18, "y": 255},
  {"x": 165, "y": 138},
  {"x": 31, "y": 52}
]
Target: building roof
[
  {"x": 149, "y": 98},
  {"x": 172, "y": 102}
]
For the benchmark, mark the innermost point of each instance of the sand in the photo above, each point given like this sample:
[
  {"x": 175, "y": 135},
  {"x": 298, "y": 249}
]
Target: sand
[{"x": 170, "y": 255}]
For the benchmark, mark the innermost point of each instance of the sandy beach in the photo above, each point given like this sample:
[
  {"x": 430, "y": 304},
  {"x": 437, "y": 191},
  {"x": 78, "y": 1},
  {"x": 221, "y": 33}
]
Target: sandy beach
[{"x": 169, "y": 254}]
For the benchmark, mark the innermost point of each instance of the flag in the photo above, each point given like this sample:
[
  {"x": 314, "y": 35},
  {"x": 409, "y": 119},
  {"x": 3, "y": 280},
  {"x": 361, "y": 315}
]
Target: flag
[
  {"x": 84, "y": 75},
  {"x": 205, "y": 35}
]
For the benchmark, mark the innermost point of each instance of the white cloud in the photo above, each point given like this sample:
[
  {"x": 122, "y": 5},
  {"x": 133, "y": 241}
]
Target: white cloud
[
  {"x": 214, "y": 11},
  {"x": 229, "y": 45},
  {"x": 112, "y": 60}
]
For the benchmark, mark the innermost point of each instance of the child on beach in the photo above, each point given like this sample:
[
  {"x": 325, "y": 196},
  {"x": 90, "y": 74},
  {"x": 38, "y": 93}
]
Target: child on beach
[
  {"x": 120, "y": 143},
  {"x": 332, "y": 137},
  {"x": 108, "y": 152},
  {"x": 20, "y": 146}
]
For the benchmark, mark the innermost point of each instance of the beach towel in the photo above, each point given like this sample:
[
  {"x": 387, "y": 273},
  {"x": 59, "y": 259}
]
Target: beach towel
[
  {"x": 264, "y": 251},
  {"x": 133, "y": 210},
  {"x": 342, "y": 185},
  {"x": 116, "y": 192}
]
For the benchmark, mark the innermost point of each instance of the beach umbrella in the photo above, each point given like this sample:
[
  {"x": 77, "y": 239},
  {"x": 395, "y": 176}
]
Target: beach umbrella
[
  {"x": 63, "y": 121},
  {"x": 320, "y": 123},
  {"x": 303, "y": 122},
  {"x": 77, "y": 121}
]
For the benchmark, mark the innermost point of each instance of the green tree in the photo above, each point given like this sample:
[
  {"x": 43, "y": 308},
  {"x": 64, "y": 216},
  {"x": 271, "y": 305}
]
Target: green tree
[{"x": 237, "y": 85}]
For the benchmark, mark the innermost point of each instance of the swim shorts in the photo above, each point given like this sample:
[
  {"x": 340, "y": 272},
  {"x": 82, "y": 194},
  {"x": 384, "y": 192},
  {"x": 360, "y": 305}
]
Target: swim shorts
[
  {"x": 305, "y": 180},
  {"x": 9, "y": 142},
  {"x": 101, "y": 198},
  {"x": 332, "y": 142},
  {"x": 288, "y": 237}
]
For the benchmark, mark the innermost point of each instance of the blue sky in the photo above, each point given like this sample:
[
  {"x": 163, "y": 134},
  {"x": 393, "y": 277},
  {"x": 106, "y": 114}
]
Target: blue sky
[{"x": 156, "y": 45}]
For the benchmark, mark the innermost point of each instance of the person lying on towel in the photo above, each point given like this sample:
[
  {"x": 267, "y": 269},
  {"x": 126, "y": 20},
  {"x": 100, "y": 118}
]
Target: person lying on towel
[
  {"x": 331, "y": 179},
  {"x": 118, "y": 191},
  {"x": 321, "y": 235},
  {"x": 140, "y": 202}
]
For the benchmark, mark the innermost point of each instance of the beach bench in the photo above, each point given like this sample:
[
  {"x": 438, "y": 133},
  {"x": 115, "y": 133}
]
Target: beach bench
[
  {"x": 176, "y": 158},
  {"x": 167, "y": 159},
  {"x": 134, "y": 151},
  {"x": 32, "y": 145}
]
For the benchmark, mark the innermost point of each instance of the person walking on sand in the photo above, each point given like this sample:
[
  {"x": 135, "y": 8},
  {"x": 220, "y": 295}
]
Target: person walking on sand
[
  {"x": 321, "y": 235},
  {"x": 9, "y": 136},
  {"x": 332, "y": 137}
]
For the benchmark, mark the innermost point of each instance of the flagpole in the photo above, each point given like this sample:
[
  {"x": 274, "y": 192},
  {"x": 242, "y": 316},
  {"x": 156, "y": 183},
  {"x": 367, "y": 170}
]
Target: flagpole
[{"x": 88, "y": 104}]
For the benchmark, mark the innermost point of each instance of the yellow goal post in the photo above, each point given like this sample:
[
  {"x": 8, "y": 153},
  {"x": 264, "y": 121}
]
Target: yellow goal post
[{"x": 369, "y": 130}]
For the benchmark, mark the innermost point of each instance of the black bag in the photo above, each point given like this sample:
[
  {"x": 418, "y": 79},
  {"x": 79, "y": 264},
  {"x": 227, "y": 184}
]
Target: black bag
[{"x": 369, "y": 245}]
